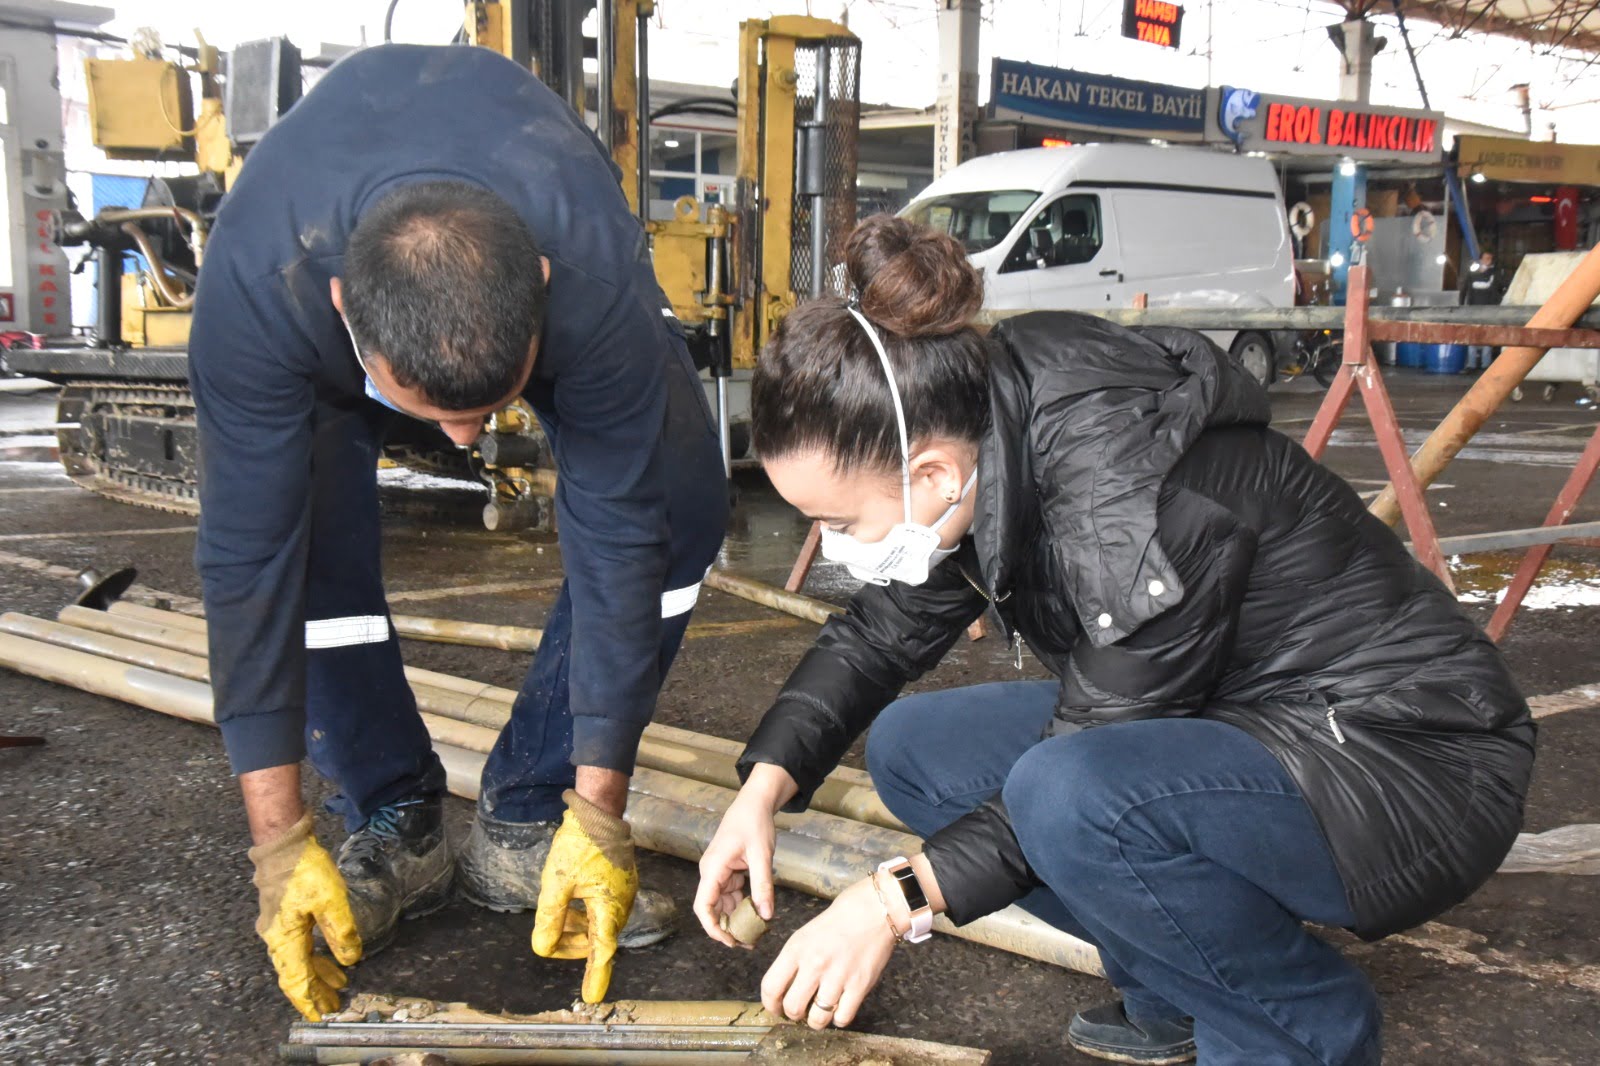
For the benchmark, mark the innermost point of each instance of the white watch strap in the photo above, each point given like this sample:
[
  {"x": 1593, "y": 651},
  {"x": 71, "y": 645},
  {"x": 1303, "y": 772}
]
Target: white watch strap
[{"x": 921, "y": 917}]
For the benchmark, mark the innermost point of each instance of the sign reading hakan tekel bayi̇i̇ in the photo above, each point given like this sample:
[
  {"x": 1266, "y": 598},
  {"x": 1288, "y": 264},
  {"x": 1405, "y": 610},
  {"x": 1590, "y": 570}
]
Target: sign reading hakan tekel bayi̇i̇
[
  {"x": 1152, "y": 21},
  {"x": 1096, "y": 101}
]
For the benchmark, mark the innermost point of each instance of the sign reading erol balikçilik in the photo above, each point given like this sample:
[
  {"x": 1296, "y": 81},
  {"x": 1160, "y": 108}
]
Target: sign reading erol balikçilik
[
  {"x": 1293, "y": 126},
  {"x": 1339, "y": 127},
  {"x": 1095, "y": 101}
]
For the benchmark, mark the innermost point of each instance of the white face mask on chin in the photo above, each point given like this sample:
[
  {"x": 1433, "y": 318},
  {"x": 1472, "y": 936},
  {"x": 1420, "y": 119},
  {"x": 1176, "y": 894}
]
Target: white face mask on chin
[{"x": 910, "y": 550}]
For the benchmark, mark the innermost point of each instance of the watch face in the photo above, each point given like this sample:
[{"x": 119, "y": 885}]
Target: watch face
[{"x": 916, "y": 899}]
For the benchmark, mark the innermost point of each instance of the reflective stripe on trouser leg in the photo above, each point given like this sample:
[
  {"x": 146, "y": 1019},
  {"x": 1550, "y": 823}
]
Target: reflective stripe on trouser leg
[
  {"x": 680, "y": 601},
  {"x": 343, "y": 632},
  {"x": 363, "y": 732}
]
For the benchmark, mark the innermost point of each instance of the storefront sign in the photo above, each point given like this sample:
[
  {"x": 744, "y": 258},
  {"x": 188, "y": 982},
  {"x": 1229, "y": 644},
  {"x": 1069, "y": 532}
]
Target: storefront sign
[
  {"x": 1152, "y": 21},
  {"x": 1257, "y": 122},
  {"x": 1508, "y": 159},
  {"x": 1094, "y": 101}
]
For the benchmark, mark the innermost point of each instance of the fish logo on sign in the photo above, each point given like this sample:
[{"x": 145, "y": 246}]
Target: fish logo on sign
[{"x": 1237, "y": 106}]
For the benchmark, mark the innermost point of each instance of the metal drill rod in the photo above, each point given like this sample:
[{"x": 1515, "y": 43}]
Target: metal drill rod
[
  {"x": 443, "y": 699},
  {"x": 660, "y": 824},
  {"x": 812, "y": 610}
]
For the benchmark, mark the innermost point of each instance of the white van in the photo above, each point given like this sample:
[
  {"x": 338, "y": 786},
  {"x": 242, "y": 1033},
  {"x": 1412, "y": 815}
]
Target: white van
[{"x": 1094, "y": 225}]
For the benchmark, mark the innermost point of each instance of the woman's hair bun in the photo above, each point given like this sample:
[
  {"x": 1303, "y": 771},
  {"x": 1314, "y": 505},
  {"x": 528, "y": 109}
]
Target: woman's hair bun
[{"x": 911, "y": 280}]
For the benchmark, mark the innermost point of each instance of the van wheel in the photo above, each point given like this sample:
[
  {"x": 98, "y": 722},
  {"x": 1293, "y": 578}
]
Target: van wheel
[{"x": 1255, "y": 353}]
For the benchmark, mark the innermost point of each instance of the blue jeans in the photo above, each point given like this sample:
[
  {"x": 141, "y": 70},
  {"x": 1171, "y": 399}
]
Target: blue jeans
[
  {"x": 531, "y": 764},
  {"x": 363, "y": 732},
  {"x": 1180, "y": 847}
]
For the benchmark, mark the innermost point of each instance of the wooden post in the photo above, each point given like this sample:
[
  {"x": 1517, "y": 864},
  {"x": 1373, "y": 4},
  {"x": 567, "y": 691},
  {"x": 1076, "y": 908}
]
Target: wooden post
[
  {"x": 805, "y": 560},
  {"x": 1565, "y": 306}
]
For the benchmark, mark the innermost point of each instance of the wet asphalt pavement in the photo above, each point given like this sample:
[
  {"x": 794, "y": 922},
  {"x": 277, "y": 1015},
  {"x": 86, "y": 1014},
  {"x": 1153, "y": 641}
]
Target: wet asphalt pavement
[{"x": 126, "y": 908}]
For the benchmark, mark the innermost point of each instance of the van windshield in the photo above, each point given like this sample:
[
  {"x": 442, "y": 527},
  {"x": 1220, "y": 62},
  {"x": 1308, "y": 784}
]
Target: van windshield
[{"x": 979, "y": 220}]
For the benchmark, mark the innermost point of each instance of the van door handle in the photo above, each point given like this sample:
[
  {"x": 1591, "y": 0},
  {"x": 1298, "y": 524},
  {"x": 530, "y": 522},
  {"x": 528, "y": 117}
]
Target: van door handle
[{"x": 1108, "y": 272}]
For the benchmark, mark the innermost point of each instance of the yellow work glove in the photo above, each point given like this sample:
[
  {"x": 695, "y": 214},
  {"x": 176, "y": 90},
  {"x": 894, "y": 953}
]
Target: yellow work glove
[
  {"x": 591, "y": 859},
  {"x": 300, "y": 887}
]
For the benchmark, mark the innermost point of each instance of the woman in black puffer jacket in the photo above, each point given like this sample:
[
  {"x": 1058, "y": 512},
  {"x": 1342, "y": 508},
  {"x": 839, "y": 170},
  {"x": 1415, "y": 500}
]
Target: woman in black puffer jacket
[{"x": 1267, "y": 711}]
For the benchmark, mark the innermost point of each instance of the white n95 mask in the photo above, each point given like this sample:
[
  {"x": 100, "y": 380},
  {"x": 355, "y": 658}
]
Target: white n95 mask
[{"x": 910, "y": 550}]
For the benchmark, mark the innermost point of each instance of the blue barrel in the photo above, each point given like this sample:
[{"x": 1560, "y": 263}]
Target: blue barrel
[
  {"x": 1409, "y": 353},
  {"x": 1445, "y": 358}
]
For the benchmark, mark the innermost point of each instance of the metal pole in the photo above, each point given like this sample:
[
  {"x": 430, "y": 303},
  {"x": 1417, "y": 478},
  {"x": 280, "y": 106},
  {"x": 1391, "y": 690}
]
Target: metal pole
[
  {"x": 108, "y": 297},
  {"x": 605, "y": 57},
  {"x": 1496, "y": 384},
  {"x": 805, "y": 862},
  {"x": 1299, "y": 318},
  {"x": 846, "y": 792},
  {"x": 819, "y": 202},
  {"x": 642, "y": 91},
  {"x": 722, "y": 339},
  {"x": 473, "y": 634},
  {"x": 138, "y": 685},
  {"x": 771, "y": 596},
  {"x": 122, "y": 649},
  {"x": 620, "y": 1043},
  {"x": 451, "y": 683},
  {"x": 1405, "y": 35},
  {"x": 724, "y": 428}
]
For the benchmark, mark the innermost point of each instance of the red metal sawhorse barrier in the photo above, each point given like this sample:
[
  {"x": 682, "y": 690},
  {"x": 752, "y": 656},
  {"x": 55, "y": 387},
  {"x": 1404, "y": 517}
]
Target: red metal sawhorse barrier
[
  {"x": 1566, "y": 502},
  {"x": 1360, "y": 369}
]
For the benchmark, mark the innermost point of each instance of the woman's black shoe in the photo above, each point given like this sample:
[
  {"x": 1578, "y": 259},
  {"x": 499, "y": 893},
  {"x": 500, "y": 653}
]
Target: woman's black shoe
[{"x": 1106, "y": 1033}]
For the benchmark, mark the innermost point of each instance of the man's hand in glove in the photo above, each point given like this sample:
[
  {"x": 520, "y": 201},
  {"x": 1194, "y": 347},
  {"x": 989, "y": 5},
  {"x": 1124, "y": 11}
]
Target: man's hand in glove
[
  {"x": 300, "y": 887},
  {"x": 591, "y": 859}
]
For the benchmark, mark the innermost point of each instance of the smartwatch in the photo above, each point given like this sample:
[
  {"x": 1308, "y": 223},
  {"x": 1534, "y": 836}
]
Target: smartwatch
[{"x": 900, "y": 869}]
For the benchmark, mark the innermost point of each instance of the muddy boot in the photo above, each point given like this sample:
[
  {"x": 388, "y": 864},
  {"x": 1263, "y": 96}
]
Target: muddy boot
[
  {"x": 501, "y": 865},
  {"x": 1106, "y": 1033},
  {"x": 396, "y": 866}
]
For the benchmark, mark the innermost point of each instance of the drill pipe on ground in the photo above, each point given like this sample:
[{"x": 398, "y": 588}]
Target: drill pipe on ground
[
  {"x": 450, "y": 682},
  {"x": 812, "y": 610},
  {"x": 847, "y": 792},
  {"x": 612, "y": 1042},
  {"x": 805, "y": 864},
  {"x": 675, "y": 828},
  {"x": 342, "y": 1044},
  {"x": 526, "y": 639},
  {"x": 450, "y": 730},
  {"x": 472, "y": 634}
]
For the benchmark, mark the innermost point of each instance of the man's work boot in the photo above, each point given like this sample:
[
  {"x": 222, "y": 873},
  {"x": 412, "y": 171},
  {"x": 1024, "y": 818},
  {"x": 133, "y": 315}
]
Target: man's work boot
[
  {"x": 396, "y": 866},
  {"x": 1107, "y": 1033},
  {"x": 502, "y": 863}
]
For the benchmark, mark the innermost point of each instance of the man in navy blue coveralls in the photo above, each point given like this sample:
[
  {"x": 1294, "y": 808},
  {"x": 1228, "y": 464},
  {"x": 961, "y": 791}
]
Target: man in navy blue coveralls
[{"x": 399, "y": 159}]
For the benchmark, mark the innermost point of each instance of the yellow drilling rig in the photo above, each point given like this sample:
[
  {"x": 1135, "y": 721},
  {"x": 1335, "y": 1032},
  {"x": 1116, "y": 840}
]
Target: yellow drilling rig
[{"x": 731, "y": 269}]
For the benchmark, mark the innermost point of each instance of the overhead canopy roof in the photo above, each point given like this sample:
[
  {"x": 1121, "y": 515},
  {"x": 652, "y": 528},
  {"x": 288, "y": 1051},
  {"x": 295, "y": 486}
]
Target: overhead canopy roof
[{"x": 1571, "y": 24}]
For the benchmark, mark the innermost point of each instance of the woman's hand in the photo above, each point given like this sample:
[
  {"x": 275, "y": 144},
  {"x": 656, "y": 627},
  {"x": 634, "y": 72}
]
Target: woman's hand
[
  {"x": 826, "y": 969},
  {"x": 741, "y": 850}
]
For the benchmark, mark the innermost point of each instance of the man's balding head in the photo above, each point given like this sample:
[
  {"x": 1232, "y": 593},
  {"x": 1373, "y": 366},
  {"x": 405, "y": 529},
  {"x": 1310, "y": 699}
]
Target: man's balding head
[{"x": 443, "y": 281}]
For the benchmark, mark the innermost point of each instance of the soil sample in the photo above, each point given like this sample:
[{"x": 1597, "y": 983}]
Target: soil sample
[{"x": 745, "y": 924}]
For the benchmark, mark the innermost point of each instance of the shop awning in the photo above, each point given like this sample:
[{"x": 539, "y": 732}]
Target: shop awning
[{"x": 1571, "y": 24}]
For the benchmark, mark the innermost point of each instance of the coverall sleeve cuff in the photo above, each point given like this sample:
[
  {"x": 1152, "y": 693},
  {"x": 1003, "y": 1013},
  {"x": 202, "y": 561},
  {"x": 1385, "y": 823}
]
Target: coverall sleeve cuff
[
  {"x": 257, "y": 741},
  {"x": 609, "y": 743}
]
